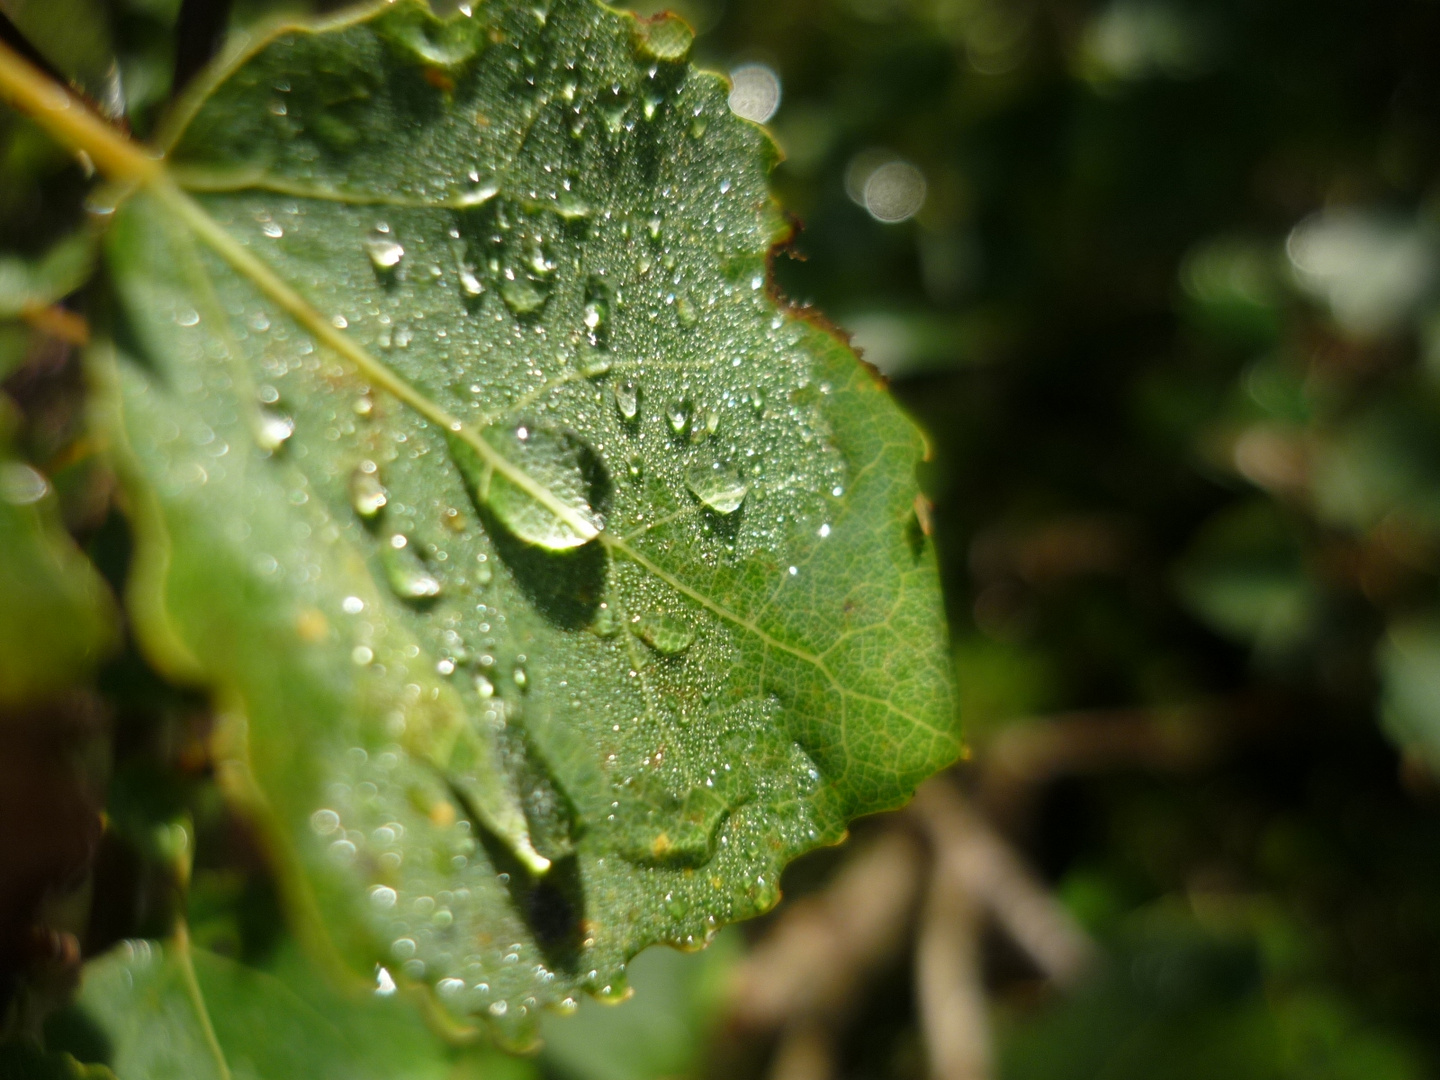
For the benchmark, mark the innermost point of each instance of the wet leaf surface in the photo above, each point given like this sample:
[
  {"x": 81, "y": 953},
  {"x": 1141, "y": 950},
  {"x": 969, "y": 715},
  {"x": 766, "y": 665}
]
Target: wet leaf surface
[{"x": 478, "y": 370}]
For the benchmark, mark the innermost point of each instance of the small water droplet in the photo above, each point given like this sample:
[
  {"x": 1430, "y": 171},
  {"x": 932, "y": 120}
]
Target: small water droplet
[
  {"x": 272, "y": 230},
  {"x": 667, "y": 634},
  {"x": 188, "y": 317},
  {"x": 479, "y": 195},
  {"x": 484, "y": 687},
  {"x": 324, "y": 822},
  {"x": 407, "y": 575},
  {"x": 367, "y": 495},
  {"x": 385, "y": 254},
  {"x": 606, "y": 623},
  {"x": 522, "y": 679},
  {"x": 384, "y": 983},
  {"x": 571, "y": 207},
  {"x": 364, "y": 405},
  {"x": 483, "y": 573},
  {"x": 272, "y": 429},
  {"x": 469, "y": 283},
  {"x": 679, "y": 416},
  {"x": 685, "y": 311},
  {"x": 718, "y": 487},
  {"x": 627, "y": 399},
  {"x": 20, "y": 485},
  {"x": 382, "y": 896},
  {"x": 596, "y": 313}
]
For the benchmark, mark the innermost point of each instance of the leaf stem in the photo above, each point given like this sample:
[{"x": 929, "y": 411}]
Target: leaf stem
[{"x": 68, "y": 118}]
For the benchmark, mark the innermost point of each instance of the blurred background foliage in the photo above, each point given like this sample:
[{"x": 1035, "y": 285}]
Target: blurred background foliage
[{"x": 1161, "y": 280}]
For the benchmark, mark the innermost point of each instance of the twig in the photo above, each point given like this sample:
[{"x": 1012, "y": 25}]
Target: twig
[
  {"x": 812, "y": 962},
  {"x": 986, "y": 868},
  {"x": 949, "y": 981}
]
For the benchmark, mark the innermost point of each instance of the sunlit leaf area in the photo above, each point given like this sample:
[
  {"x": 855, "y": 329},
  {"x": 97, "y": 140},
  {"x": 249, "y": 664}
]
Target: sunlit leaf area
[{"x": 757, "y": 539}]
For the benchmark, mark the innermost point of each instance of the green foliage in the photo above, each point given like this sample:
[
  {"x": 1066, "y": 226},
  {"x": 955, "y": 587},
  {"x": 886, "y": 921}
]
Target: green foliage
[{"x": 554, "y": 585}]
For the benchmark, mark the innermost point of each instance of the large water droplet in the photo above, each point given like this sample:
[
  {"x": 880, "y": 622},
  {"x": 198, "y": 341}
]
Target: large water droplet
[
  {"x": 385, "y": 254},
  {"x": 273, "y": 429},
  {"x": 627, "y": 399},
  {"x": 537, "y": 481},
  {"x": 407, "y": 575},
  {"x": 718, "y": 487},
  {"x": 522, "y": 296},
  {"x": 667, "y": 634},
  {"x": 367, "y": 495},
  {"x": 679, "y": 416}
]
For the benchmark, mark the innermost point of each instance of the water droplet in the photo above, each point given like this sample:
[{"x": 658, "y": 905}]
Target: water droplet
[
  {"x": 686, "y": 312},
  {"x": 364, "y": 405},
  {"x": 824, "y": 531},
  {"x": 627, "y": 399},
  {"x": 522, "y": 296},
  {"x": 385, "y": 254},
  {"x": 469, "y": 283},
  {"x": 407, "y": 575},
  {"x": 484, "y": 687},
  {"x": 718, "y": 487},
  {"x": 20, "y": 485},
  {"x": 188, "y": 317},
  {"x": 384, "y": 983},
  {"x": 522, "y": 679},
  {"x": 679, "y": 416},
  {"x": 382, "y": 896},
  {"x": 367, "y": 495},
  {"x": 362, "y": 655},
  {"x": 571, "y": 207},
  {"x": 606, "y": 623},
  {"x": 272, "y": 429},
  {"x": 667, "y": 634},
  {"x": 483, "y": 572},
  {"x": 324, "y": 822},
  {"x": 596, "y": 313},
  {"x": 536, "y": 480},
  {"x": 479, "y": 195}
]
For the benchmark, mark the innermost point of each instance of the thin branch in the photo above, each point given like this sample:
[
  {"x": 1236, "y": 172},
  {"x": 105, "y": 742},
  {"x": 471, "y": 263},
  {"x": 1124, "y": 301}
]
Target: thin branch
[
  {"x": 985, "y": 867},
  {"x": 812, "y": 963},
  {"x": 949, "y": 981}
]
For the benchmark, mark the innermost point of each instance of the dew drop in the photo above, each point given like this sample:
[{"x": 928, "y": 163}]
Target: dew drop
[
  {"x": 679, "y": 416},
  {"x": 522, "y": 679},
  {"x": 718, "y": 487},
  {"x": 273, "y": 429},
  {"x": 627, "y": 399},
  {"x": 406, "y": 574},
  {"x": 522, "y": 296},
  {"x": 367, "y": 495},
  {"x": 667, "y": 634},
  {"x": 385, "y": 254},
  {"x": 536, "y": 480},
  {"x": 606, "y": 623},
  {"x": 483, "y": 573}
]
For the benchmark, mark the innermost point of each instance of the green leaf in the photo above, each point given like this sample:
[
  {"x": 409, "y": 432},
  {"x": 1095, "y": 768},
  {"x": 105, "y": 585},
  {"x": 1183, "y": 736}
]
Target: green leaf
[
  {"x": 1408, "y": 659},
  {"x": 26, "y": 284},
  {"x": 173, "y": 1012},
  {"x": 57, "y": 620},
  {"x": 418, "y": 416}
]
